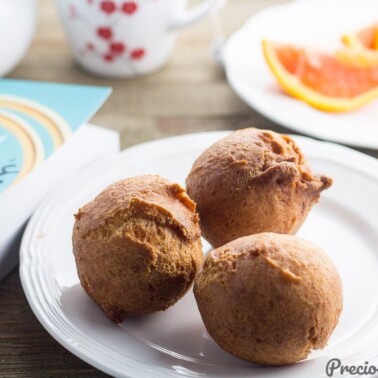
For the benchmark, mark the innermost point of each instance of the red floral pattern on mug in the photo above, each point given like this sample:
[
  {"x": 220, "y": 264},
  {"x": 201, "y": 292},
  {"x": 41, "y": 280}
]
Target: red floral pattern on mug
[
  {"x": 114, "y": 48},
  {"x": 108, "y": 57},
  {"x": 129, "y": 7},
  {"x": 105, "y": 32},
  {"x": 108, "y": 6},
  {"x": 73, "y": 10},
  {"x": 138, "y": 54},
  {"x": 117, "y": 48},
  {"x": 90, "y": 46}
]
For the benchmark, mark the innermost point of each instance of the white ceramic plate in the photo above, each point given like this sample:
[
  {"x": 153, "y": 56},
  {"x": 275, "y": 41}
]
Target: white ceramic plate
[
  {"x": 318, "y": 23},
  {"x": 174, "y": 343}
]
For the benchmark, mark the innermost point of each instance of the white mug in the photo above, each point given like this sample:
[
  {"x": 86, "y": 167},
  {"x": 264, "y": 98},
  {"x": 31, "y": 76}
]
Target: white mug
[
  {"x": 126, "y": 38},
  {"x": 17, "y": 23}
]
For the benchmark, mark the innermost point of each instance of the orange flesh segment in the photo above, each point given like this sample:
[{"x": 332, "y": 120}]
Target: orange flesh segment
[
  {"x": 325, "y": 74},
  {"x": 369, "y": 37}
]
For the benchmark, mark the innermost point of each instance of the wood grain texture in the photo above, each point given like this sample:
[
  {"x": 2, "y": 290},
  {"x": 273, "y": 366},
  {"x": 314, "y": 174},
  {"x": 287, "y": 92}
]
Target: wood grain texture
[
  {"x": 191, "y": 85},
  {"x": 190, "y": 94},
  {"x": 26, "y": 349}
]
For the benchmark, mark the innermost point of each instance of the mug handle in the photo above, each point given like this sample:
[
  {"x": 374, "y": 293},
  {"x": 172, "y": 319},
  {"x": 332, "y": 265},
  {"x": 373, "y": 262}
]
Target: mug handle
[{"x": 191, "y": 16}]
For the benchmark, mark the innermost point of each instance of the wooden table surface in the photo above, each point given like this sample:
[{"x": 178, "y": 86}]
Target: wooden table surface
[{"x": 190, "y": 94}]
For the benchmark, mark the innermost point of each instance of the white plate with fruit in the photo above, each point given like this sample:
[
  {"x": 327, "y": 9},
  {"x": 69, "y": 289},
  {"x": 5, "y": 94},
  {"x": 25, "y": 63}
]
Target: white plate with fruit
[{"x": 317, "y": 27}]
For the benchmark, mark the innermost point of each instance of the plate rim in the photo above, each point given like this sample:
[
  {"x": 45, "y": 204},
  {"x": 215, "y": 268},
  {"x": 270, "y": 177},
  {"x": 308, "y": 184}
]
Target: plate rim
[{"x": 354, "y": 159}]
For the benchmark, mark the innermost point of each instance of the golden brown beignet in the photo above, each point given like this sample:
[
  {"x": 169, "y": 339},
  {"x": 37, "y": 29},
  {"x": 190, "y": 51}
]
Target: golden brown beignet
[
  {"x": 137, "y": 246},
  {"x": 252, "y": 181},
  {"x": 269, "y": 298}
]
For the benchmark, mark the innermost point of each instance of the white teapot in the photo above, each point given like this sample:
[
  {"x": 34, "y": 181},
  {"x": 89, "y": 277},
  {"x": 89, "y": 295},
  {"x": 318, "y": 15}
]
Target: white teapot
[{"x": 17, "y": 24}]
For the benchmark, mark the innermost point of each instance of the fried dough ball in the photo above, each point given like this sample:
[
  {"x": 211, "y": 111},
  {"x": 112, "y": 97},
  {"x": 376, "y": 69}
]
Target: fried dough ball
[
  {"x": 252, "y": 181},
  {"x": 137, "y": 246},
  {"x": 269, "y": 298}
]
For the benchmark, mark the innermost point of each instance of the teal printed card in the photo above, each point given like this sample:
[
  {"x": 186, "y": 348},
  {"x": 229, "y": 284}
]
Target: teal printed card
[{"x": 37, "y": 118}]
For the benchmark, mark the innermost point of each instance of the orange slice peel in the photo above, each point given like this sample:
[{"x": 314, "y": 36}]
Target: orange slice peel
[{"x": 340, "y": 82}]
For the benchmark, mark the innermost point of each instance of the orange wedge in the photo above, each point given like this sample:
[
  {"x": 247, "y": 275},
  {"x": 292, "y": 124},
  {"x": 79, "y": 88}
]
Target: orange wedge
[
  {"x": 326, "y": 82},
  {"x": 357, "y": 57},
  {"x": 366, "y": 38}
]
